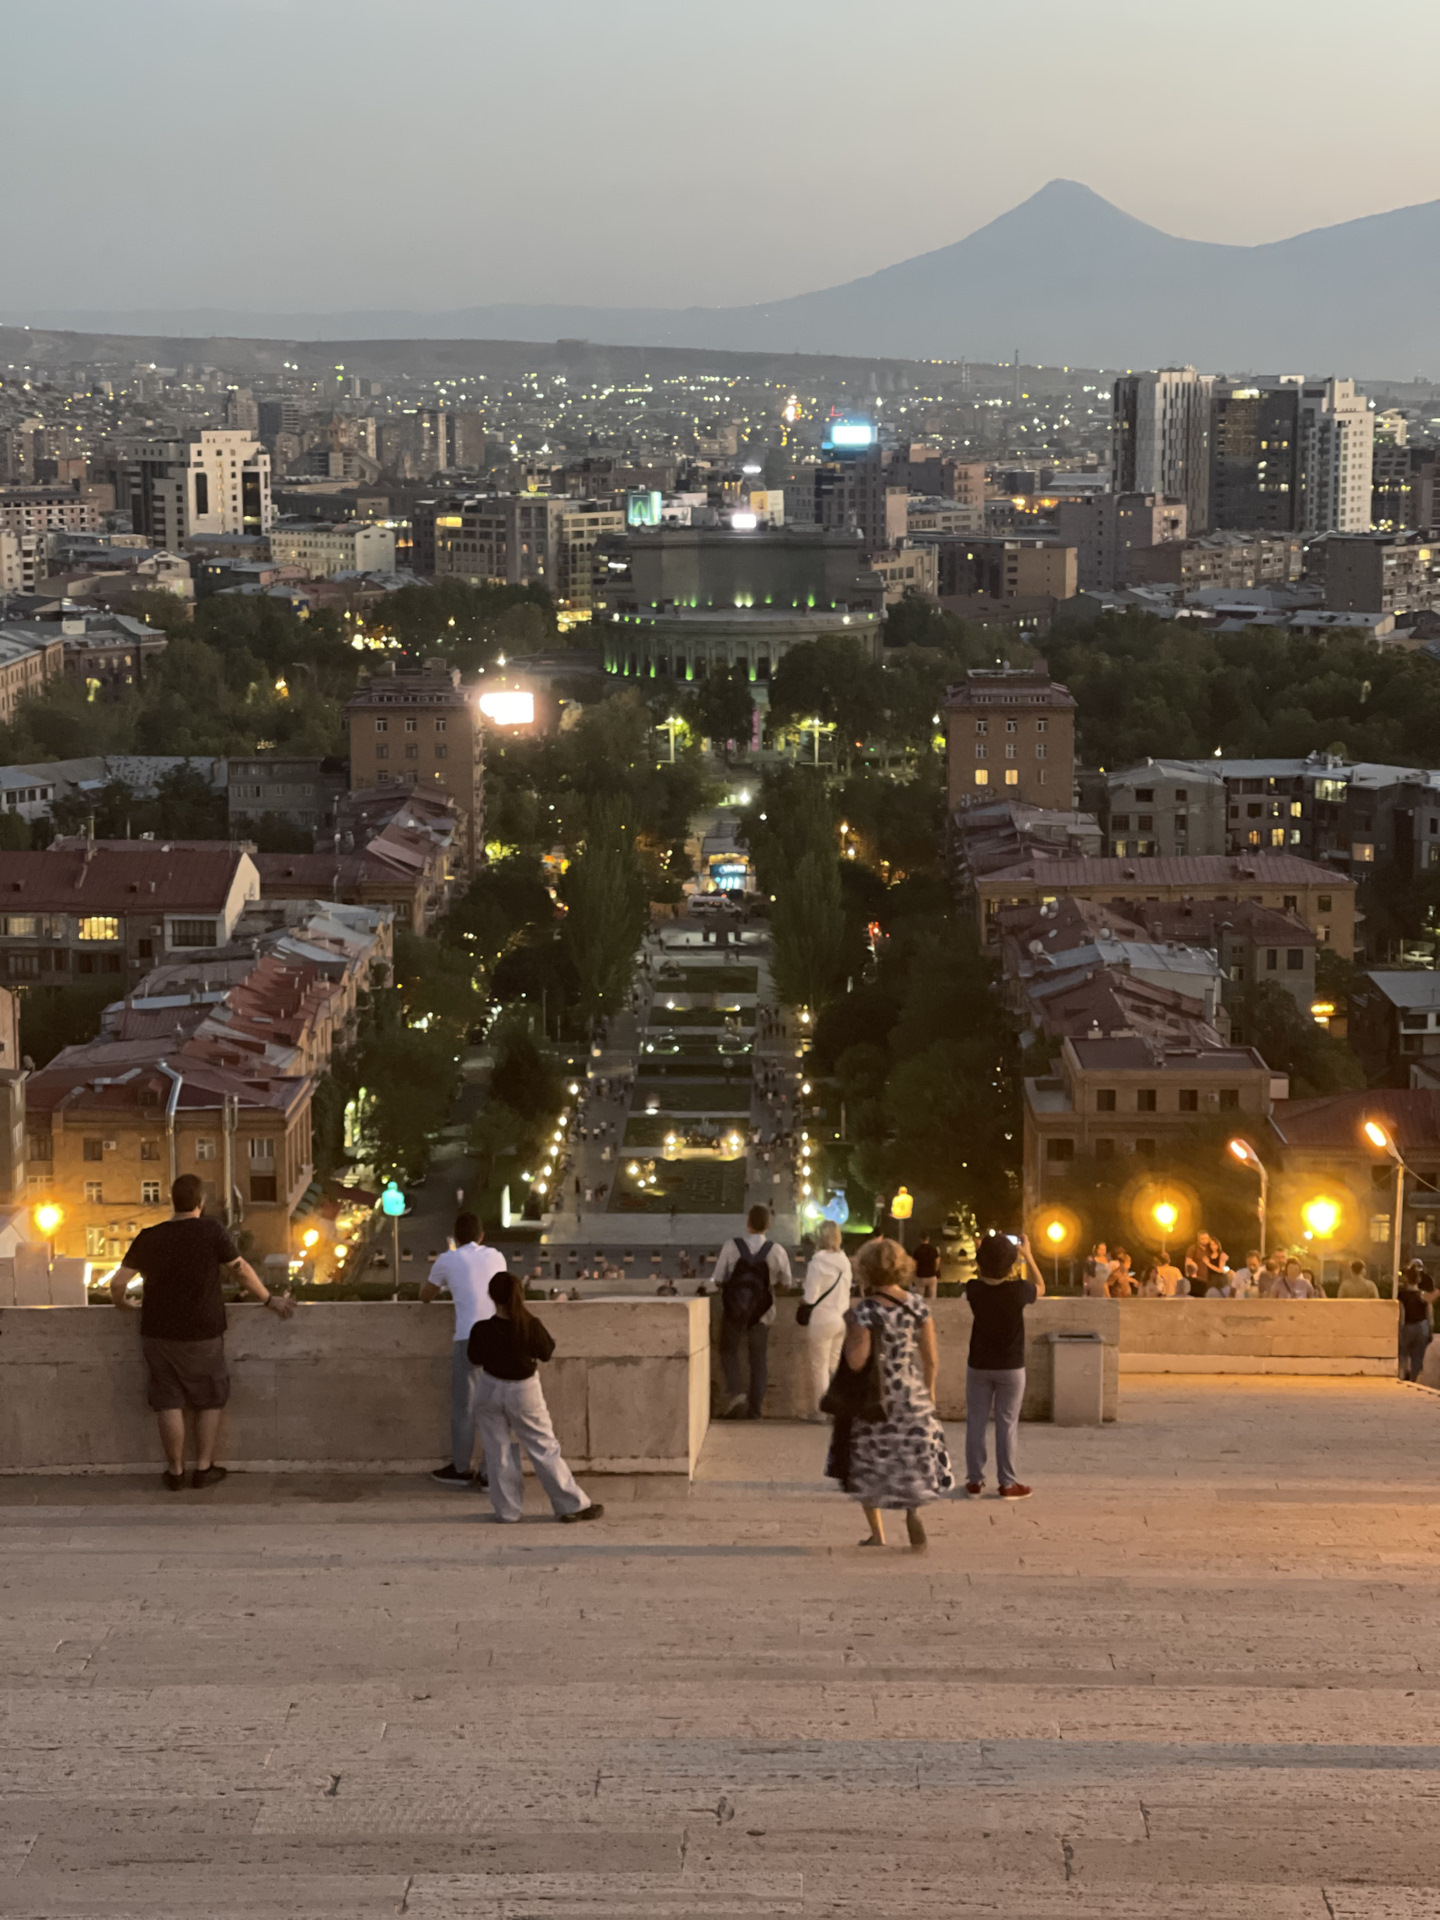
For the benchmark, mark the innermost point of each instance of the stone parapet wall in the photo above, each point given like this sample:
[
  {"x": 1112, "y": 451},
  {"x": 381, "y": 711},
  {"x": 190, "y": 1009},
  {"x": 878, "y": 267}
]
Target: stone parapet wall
[
  {"x": 1259, "y": 1336},
  {"x": 789, "y": 1395},
  {"x": 354, "y": 1385}
]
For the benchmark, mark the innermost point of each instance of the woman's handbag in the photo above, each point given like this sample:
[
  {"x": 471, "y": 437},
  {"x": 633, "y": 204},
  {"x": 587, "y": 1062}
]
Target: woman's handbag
[
  {"x": 854, "y": 1393},
  {"x": 807, "y": 1307}
]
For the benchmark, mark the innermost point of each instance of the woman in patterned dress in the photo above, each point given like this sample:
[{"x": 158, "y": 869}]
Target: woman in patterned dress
[{"x": 900, "y": 1461}]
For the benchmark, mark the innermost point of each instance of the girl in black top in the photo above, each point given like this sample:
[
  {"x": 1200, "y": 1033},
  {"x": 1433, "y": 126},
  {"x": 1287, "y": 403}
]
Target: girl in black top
[{"x": 510, "y": 1408}]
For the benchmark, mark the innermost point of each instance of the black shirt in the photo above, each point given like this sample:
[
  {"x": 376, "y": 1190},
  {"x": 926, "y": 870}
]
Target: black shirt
[
  {"x": 997, "y": 1339},
  {"x": 180, "y": 1262},
  {"x": 927, "y": 1261},
  {"x": 504, "y": 1352},
  {"x": 1416, "y": 1306}
]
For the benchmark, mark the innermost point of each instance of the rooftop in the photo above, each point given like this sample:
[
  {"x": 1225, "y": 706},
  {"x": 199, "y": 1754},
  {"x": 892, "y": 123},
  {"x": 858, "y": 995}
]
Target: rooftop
[
  {"x": 120, "y": 877},
  {"x": 1178, "y": 870}
]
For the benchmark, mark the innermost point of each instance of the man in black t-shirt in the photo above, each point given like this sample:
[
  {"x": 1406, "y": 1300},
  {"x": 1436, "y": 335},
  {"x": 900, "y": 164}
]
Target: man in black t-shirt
[
  {"x": 182, "y": 1324},
  {"x": 995, "y": 1377},
  {"x": 927, "y": 1267}
]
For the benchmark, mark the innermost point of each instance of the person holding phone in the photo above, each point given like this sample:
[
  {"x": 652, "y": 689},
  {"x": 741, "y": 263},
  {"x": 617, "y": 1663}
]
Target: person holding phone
[{"x": 995, "y": 1376}]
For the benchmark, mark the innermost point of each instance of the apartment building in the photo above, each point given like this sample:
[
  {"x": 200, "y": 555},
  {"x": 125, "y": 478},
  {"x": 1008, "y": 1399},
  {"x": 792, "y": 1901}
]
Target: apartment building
[
  {"x": 1162, "y": 438},
  {"x": 1127, "y": 1097},
  {"x": 299, "y": 789},
  {"x": 1323, "y": 900},
  {"x": 419, "y": 727},
  {"x": 1165, "y": 807},
  {"x": 1107, "y": 530},
  {"x": 215, "y": 481},
  {"x": 1292, "y": 455},
  {"x": 502, "y": 539},
  {"x": 112, "y": 908},
  {"x": 582, "y": 525},
  {"x": 44, "y": 509},
  {"x": 1233, "y": 561},
  {"x": 30, "y": 655},
  {"x": 321, "y": 549},
  {"x": 1010, "y": 734},
  {"x": 1380, "y": 572}
]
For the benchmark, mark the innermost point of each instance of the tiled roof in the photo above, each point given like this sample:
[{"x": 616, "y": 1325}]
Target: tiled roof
[
  {"x": 1334, "y": 1121},
  {"x": 163, "y": 877},
  {"x": 1179, "y": 870}
]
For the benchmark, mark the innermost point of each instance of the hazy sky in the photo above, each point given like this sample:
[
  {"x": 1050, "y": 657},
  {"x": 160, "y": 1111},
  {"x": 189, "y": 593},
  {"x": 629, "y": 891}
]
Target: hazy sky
[{"x": 312, "y": 154}]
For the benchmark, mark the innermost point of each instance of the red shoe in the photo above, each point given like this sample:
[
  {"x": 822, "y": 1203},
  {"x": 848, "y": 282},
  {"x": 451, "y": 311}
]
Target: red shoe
[
  {"x": 1014, "y": 1492},
  {"x": 974, "y": 1488}
]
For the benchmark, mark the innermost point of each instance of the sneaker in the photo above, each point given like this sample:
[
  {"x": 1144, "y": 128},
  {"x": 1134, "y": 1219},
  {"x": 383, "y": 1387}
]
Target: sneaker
[
  {"x": 450, "y": 1476},
  {"x": 174, "y": 1481},
  {"x": 1014, "y": 1492},
  {"x": 592, "y": 1512},
  {"x": 974, "y": 1488},
  {"x": 208, "y": 1476}
]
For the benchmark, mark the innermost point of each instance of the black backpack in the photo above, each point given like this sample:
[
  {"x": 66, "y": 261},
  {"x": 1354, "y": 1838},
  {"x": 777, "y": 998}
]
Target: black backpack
[{"x": 745, "y": 1293}]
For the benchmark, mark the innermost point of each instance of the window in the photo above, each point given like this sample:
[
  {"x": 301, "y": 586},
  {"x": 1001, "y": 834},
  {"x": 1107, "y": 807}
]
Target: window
[
  {"x": 93, "y": 1191},
  {"x": 1379, "y": 1228},
  {"x": 1272, "y": 959},
  {"x": 1322, "y": 903},
  {"x": 149, "y": 1193},
  {"x": 99, "y": 927},
  {"x": 1105, "y": 1100},
  {"x": 441, "y": 750},
  {"x": 982, "y": 753},
  {"x": 982, "y": 778},
  {"x": 1120, "y": 822},
  {"x": 263, "y": 1187},
  {"x": 412, "y": 753},
  {"x": 1145, "y": 822},
  {"x": 1145, "y": 796},
  {"x": 1041, "y": 751},
  {"x": 982, "y": 726},
  {"x": 1010, "y": 726},
  {"x": 1041, "y": 726},
  {"x": 205, "y": 1146},
  {"x": 262, "y": 1149},
  {"x": 382, "y": 726},
  {"x": 1254, "y": 810},
  {"x": 1012, "y": 776},
  {"x": 192, "y": 933},
  {"x": 1182, "y": 793},
  {"x": 382, "y": 753},
  {"x": 411, "y": 725},
  {"x": 1294, "y": 959},
  {"x": 1059, "y": 1150},
  {"x": 1363, "y": 850},
  {"x": 1297, "y": 809},
  {"x": 440, "y": 726},
  {"x": 1229, "y": 1099},
  {"x": 1291, "y": 903},
  {"x": 95, "y": 1243},
  {"x": 1189, "y": 1100},
  {"x": 1145, "y": 1101},
  {"x": 92, "y": 1149},
  {"x": 20, "y": 926},
  {"x": 149, "y": 1149}
]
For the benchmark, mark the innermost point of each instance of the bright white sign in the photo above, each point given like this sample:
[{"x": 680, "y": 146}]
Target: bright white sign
[{"x": 508, "y": 709}]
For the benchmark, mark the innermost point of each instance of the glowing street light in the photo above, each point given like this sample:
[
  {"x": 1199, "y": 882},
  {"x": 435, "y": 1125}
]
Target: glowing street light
[
  {"x": 1380, "y": 1136},
  {"x": 1165, "y": 1213},
  {"x": 47, "y": 1219},
  {"x": 1321, "y": 1216},
  {"x": 1247, "y": 1156}
]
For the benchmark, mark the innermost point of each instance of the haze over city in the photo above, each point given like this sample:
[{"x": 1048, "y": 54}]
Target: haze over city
[{"x": 719, "y": 960}]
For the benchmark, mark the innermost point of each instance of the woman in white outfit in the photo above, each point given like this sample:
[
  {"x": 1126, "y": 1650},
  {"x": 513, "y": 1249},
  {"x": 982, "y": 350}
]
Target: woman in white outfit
[{"x": 827, "y": 1294}]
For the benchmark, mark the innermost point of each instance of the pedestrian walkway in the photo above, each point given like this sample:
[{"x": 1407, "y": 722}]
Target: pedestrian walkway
[{"x": 1169, "y": 1687}]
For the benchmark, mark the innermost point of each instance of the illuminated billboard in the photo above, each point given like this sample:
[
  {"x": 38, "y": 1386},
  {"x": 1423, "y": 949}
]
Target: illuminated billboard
[
  {"x": 643, "y": 509},
  {"x": 849, "y": 434},
  {"x": 508, "y": 709}
]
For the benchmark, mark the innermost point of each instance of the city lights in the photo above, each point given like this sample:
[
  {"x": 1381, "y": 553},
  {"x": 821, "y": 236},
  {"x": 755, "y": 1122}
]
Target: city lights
[{"x": 1321, "y": 1216}]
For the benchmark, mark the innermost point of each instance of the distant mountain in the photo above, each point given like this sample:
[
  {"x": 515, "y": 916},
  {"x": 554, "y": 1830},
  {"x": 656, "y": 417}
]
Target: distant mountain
[{"x": 1065, "y": 277}]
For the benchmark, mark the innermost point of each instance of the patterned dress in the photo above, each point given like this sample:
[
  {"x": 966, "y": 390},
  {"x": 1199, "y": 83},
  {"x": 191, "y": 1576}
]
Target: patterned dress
[{"x": 900, "y": 1461}]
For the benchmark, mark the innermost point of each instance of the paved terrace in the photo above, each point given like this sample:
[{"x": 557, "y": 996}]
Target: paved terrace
[{"x": 1176, "y": 1685}]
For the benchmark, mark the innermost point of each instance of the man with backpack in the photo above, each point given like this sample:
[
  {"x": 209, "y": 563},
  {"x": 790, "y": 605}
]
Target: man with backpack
[{"x": 749, "y": 1269}]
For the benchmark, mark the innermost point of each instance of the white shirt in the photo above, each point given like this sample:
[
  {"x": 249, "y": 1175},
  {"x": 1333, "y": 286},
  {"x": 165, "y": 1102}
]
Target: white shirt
[
  {"x": 467, "y": 1272},
  {"x": 828, "y": 1268}
]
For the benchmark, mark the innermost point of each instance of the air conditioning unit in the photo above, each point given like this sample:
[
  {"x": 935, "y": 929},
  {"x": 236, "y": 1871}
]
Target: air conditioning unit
[{"x": 112, "y": 1146}]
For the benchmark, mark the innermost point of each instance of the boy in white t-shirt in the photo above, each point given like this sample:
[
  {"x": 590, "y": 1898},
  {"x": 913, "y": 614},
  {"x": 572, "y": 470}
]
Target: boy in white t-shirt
[{"x": 465, "y": 1273}]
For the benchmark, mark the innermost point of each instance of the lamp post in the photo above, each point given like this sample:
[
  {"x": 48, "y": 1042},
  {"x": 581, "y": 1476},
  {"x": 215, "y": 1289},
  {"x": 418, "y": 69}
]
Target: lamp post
[
  {"x": 48, "y": 1219},
  {"x": 1380, "y": 1136},
  {"x": 1055, "y": 1239},
  {"x": 1165, "y": 1213},
  {"x": 1247, "y": 1156},
  {"x": 392, "y": 1205}
]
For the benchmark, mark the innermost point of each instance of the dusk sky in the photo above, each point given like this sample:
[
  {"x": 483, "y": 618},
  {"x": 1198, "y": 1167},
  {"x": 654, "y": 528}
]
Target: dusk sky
[{"x": 313, "y": 154}]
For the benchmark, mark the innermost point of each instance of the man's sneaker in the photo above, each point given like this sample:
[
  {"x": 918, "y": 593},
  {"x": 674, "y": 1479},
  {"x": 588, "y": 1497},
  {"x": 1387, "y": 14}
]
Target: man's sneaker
[
  {"x": 1015, "y": 1491},
  {"x": 974, "y": 1488},
  {"x": 450, "y": 1476},
  {"x": 208, "y": 1476},
  {"x": 592, "y": 1512},
  {"x": 174, "y": 1481}
]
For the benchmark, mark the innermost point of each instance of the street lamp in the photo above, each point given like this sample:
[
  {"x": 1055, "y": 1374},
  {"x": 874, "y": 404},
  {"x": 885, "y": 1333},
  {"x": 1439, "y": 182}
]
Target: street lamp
[
  {"x": 1165, "y": 1213},
  {"x": 1247, "y": 1156},
  {"x": 47, "y": 1219},
  {"x": 1321, "y": 1216},
  {"x": 1381, "y": 1137}
]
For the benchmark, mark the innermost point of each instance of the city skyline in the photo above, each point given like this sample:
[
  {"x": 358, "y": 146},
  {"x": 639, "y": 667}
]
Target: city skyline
[{"x": 711, "y": 130}]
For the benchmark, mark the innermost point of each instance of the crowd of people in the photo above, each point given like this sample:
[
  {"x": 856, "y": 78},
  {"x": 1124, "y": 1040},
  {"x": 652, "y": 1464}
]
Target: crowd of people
[{"x": 1205, "y": 1271}]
